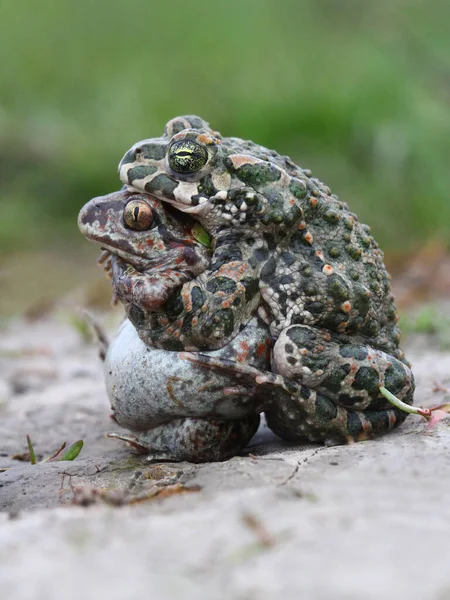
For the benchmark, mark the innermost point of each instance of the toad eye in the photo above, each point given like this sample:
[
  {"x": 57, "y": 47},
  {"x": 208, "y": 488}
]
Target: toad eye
[
  {"x": 137, "y": 215},
  {"x": 186, "y": 156}
]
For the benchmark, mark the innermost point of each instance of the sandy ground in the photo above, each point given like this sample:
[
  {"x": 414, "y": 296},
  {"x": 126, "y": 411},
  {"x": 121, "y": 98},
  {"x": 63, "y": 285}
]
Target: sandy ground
[{"x": 368, "y": 520}]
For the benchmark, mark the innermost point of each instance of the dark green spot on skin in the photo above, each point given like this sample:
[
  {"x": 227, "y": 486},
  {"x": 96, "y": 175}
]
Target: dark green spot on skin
[
  {"x": 301, "y": 336},
  {"x": 361, "y": 300},
  {"x": 197, "y": 298},
  {"x": 349, "y": 401},
  {"x": 251, "y": 200},
  {"x": 195, "y": 199},
  {"x": 396, "y": 335},
  {"x": 332, "y": 217},
  {"x": 367, "y": 379},
  {"x": 287, "y": 258},
  {"x": 337, "y": 288},
  {"x": 140, "y": 172},
  {"x": 356, "y": 352},
  {"x": 221, "y": 284},
  {"x": 152, "y": 151},
  {"x": 395, "y": 377},
  {"x": 379, "y": 419},
  {"x": 251, "y": 288},
  {"x": 275, "y": 200},
  {"x": 349, "y": 223},
  {"x": 310, "y": 289},
  {"x": 174, "y": 305},
  {"x": 353, "y": 251},
  {"x": 286, "y": 280},
  {"x": 391, "y": 313},
  {"x": 163, "y": 185},
  {"x": 260, "y": 207},
  {"x": 297, "y": 189},
  {"x": 378, "y": 403},
  {"x": 239, "y": 202},
  {"x": 315, "y": 361},
  {"x": 258, "y": 174},
  {"x": 225, "y": 256},
  {"x": 315, "y": 307},
  {"x": 334, "y": 252},
  {"x": 225, "y": 319},
  {"x": 305, "y": 392},
  {"x": 219, "y": 201},
  {"x": 176, "y": 125},
  {"x": 333, "y": 381},
  {"x": 357, "y": 323},
  {"x": 268, "y": 269},
  {"x": 291, "y": 360},
  {"x": 291, "y": 386},
  {"x": 262, "y": 254},
  {"x": 325, "y": 410},
  {"x": 186, "y": 328},
  {"x": 334, "y": 321},
  {"x": 130, "y": 157},
  {"x": 354, "y": 425},
  {"x": 207, "y": 187},
  {"x": 371, "y": 328},
  {"x": 277, "y": 218},
  {"x": 289, "y": 348}
]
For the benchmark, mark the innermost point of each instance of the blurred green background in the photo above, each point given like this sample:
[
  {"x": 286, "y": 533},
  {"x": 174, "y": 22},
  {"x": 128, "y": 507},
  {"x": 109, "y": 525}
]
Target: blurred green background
[{"x": 357, "y": 91}]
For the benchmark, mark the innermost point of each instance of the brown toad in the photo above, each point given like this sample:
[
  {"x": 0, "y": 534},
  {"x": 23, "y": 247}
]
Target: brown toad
[{"x": 175, "y": 410}]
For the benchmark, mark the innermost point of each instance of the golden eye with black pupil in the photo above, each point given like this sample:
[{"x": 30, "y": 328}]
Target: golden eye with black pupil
[
  {"x": 186, "y": 156},
  {"x": 137, "y": 215}
]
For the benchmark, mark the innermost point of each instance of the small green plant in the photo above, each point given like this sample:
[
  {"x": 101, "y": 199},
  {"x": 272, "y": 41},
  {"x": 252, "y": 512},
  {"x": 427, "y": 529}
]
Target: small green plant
[
  {"x": 62, "y": 453},
  {"x": 31, "y": 451},
  {"x": 433, "y": 415}
]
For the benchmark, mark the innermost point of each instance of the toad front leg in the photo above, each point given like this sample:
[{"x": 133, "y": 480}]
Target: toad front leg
[
  {"x": 206, "y": 313},
  {"x": 326, "y": 389}
]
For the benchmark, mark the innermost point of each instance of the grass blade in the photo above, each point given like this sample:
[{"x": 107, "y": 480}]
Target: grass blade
[{"x": 31, "y": 451}]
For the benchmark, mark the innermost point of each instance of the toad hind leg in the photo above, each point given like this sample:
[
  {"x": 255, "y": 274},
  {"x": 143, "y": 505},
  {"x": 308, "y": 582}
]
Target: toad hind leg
[
  {"x": 339, "y": 387},
  {"x": 344, "y": 369},
  {"x": 313, "y": 416},
  {"x": 194, "y": 439},
  {"x": 323, "y": 389}
]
